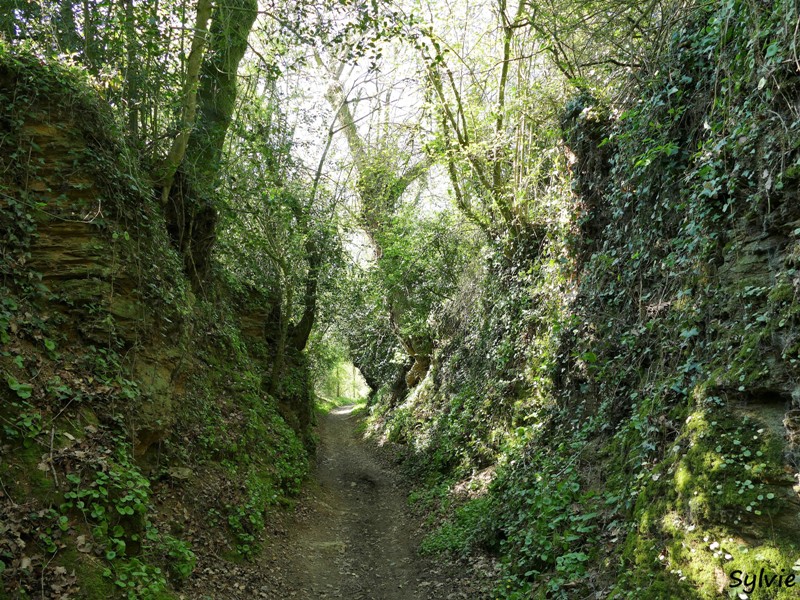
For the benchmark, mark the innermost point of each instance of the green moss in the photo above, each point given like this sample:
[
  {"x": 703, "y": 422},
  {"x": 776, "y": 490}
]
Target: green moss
[
  {"x": 782, "y": 291},
  {"x": 709, "y": 510},
  {"x": 643, "y": 573},
  {"x": 89, "y": 572},
  {"x": 707, "y": 556},
  {"x": 727, "y": 469},
  {"x": 251, "y": 443},
  {"x": 75, "y": 426},
  {"x": 24, "y": 479}
]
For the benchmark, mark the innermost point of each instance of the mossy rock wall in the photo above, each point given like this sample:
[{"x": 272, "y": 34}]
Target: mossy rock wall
[
  {"x": 93, "y": 243},
  {"x": 121, "y": 391}
]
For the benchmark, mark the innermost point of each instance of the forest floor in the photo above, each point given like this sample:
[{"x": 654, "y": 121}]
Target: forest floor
[{"x": 351, "y": 536}]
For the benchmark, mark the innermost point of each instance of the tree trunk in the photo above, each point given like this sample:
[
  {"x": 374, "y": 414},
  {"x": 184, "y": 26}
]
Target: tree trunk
[
  {"x": 302, "y": 330},
  {"x": 177, "y": 151},
  {"x": 90, "y": 51},
  {"x": 132, "y": 72},
  {"x": 68, "y": 40},
  {"x": 283, "y": 334},
  {"x": 216, "y": 98},
  {"x": 191, "y": 212},
  {"x": 8, "y": 19}
]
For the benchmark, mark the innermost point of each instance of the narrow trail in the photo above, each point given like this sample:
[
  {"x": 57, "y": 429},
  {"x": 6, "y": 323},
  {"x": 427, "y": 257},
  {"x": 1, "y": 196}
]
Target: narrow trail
[
  {"x": 357, "y": 541},
  {"x": 351, "y": 536}
]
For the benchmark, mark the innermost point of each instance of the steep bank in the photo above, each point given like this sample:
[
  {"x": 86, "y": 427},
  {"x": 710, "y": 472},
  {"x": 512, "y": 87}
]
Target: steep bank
[
  {"x": 614, "y": 411},
  {"x": 136, "y": 433}
]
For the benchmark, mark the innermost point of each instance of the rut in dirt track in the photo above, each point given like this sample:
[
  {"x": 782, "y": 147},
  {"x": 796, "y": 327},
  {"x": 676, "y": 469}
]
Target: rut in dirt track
[{"x": 357, "y": 542}]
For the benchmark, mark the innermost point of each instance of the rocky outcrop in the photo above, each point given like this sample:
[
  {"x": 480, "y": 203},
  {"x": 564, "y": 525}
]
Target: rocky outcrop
[{"x": 94, "y": 243}]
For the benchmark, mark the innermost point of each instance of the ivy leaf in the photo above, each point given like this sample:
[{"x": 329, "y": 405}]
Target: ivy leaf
[
  {"x": 23, "y": 390},
  {"x": 772, "y": 50}
]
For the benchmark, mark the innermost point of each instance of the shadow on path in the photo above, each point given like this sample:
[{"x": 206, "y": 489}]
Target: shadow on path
[{"x": 356, "y": 542}]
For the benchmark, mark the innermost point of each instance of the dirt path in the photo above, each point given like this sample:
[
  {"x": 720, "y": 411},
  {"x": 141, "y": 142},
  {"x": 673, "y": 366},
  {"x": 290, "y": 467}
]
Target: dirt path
[
  {"x": 351, "y": 537},
  {"x": 357, "y": 542}
]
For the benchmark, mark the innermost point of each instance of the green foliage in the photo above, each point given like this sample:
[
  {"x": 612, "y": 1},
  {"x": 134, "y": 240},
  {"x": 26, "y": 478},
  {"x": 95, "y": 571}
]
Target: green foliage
[
  {"x": 244, "y": 523},
  {"x": 459, "y": 534},
  {"x": 136, "y": 579},
  {"x": 588, "y": 354},
  {"x": 372, "y": 344},
  {"x": 422, "y": 257},
  {"x": 113, "y": 499},
  {"x": 272, "y": 468},
  {"x": 249, "y": 442},
  {"x": 326, "y": 357},
  {"x": 114, "y": 492},
  {"x": 115, "y": 337},
  {"x": 129, "y": 49},
  {"x": 23, "y": 390},
  {"x": 606, "y": 377}
]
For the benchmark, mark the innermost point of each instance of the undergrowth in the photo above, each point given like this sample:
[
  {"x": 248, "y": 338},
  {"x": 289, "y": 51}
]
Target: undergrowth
[{"x": 627, "y": 400}]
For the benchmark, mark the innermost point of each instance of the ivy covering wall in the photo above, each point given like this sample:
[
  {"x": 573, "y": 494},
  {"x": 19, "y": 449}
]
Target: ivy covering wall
[{"x": 630, "y": 393}]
